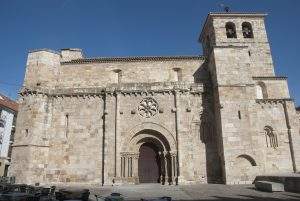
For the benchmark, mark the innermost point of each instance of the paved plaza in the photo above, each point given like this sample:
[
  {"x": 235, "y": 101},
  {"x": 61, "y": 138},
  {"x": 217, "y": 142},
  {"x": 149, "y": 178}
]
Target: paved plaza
[{"x": 217, "y": 192}]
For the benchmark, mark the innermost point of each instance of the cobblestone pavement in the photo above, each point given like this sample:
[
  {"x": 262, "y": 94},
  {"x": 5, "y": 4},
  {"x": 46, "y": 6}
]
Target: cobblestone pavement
[{"x": 213, "y": 192}]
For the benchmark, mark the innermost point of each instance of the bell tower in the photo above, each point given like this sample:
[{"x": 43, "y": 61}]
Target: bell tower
[
  {"x": 237, "y": 50},
  {"x": 243, "y": 30}
]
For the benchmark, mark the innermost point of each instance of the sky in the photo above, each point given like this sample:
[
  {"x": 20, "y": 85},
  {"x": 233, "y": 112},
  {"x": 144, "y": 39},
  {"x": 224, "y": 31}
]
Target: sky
[{"x": 134, "y": 28}]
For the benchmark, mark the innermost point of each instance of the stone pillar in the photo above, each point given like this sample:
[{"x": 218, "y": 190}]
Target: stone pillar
[
  {"x": 161, "y": 158},
  {"x": 135, "y": 168},
  {"x": 178, "y": 147},
  {"x": 166, "y": 166},
  {"x": 103, "y": 141},
  {"x": 125, "y": 167},
  {"x": 173, "y": 167},
  {"x": 117, "y": 152}
]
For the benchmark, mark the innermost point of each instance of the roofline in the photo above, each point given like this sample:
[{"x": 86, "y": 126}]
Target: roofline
[
  {"x": 8, "y": 103},
  {"x": 229, "y": 14},
  {"x": 44, "y": 50},
  {"x": 134, "y": 59}
]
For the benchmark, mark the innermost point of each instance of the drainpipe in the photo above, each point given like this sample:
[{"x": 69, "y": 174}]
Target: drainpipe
[{"x": 287, "y": 120}]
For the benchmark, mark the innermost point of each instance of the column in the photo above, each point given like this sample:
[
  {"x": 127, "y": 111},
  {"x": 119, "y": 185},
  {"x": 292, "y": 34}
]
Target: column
[
  {"x": 175, "y": 174},
  {"x": 166, "y": 166},
  {"x": 178, "y": 147},
  {"x": 161, "y": 159},
  {"x": 103, "y": 140},
  {"x": 135, "y": 167},
  {"x": 125, "y": 167},
  {"x": 172, "y": 168},
  {"x": 117, "y": 153}
]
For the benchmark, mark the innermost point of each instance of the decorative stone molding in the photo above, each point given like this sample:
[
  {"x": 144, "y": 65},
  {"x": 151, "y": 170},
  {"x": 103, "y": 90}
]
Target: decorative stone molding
[
  {"x": 144, "y": 89},
  {"x": 280, "y": 100},
  {"x": 148, "y": 107}
]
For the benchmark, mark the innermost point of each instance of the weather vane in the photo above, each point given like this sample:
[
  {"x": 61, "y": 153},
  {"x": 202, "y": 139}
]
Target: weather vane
[{"x": 225, "y": 8}]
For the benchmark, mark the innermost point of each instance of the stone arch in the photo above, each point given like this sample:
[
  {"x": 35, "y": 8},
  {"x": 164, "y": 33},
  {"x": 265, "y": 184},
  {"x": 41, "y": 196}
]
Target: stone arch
[
  {"x": 271, "y": 137},
  {"x": 246, "y": 168},
  {"x": 261, "y": 91},
  {"x": 157, "y": 132},
  {"x": 143, "y": 143},
  {"x": 230, "y": 30},
  {"x": 145, "y": 136},
  {"x": 248, "y": 158},
  {"x": 247, "y": 30}
]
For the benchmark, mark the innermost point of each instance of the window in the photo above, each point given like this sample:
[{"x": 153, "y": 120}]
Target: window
[
  {"x": 178, "y": 74},
  {"x": 261, "y": 91},
  {"x": 247, "y": 30},
  {"x": 230, "y": 30},
  {"x": 271, "y": 137},
  {"x": 66, "y": 125},
  {"x": 119, "y": 75}
]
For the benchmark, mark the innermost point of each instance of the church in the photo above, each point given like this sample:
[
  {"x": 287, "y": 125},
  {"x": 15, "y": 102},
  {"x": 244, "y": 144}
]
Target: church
[{"x": 223, "y": 117}]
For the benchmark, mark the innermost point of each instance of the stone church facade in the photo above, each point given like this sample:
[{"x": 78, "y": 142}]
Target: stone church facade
[{"x": 221, "y": 117}]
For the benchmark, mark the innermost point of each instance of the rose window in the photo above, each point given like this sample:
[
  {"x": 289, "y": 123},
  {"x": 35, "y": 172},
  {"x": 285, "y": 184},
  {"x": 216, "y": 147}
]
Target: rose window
[{"x": 148, "y": 107}]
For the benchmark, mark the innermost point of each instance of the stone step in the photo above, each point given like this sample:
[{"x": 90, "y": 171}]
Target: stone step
[{"x": 269, "y": 186}]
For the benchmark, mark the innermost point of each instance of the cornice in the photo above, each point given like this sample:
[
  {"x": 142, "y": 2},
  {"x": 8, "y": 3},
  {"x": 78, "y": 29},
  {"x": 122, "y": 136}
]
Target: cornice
[
  {"x": 133, "y": 59},
  {"x": 237, "y": 14},
  {"x": 115, "y": 89},
  {"x": 270, "y": 78},
  {"x": 274, "y": 100}
]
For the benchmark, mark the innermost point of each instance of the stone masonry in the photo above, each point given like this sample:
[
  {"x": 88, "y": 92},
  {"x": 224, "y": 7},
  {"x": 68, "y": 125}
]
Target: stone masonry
[{"x": 221, "y": 117}]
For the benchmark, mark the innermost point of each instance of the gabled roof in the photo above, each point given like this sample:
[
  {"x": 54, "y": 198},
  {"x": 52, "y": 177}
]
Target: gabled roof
[{"x": 8, "y": 103}]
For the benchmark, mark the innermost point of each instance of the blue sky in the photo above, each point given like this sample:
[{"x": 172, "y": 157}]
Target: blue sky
[{"x": 133, "y": 27}]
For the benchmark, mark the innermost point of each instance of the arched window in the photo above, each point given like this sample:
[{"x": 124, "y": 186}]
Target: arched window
[
  {"x": 271, "y": 137},
  {"x": 230, "y": 30},
  {"x": 247, "y": 30},
  {"x": 261, "y": 91}
]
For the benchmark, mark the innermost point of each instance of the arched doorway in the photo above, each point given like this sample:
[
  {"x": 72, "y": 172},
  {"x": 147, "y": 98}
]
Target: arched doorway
[
  {"x": 149, "y": 163},
  {"x": 149, "y": 156}
]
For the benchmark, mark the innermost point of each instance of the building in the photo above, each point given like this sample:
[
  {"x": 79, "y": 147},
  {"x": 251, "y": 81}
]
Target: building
[
  {"x": 298, "y": 113},
  {"x": 8, "y": 114},
  {"x": 221, "y": 117}
]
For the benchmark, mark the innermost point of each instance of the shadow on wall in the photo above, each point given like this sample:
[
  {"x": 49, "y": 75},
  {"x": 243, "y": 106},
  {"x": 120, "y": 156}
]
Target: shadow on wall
[
  {"x": 207, "y": 127},
  {"x": 201, "y": 75}
]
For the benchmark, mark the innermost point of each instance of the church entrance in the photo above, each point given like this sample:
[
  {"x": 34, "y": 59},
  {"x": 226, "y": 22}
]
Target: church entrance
[
  {"x": 149, "y": 163},
  {"x": 149, "y": 157}
]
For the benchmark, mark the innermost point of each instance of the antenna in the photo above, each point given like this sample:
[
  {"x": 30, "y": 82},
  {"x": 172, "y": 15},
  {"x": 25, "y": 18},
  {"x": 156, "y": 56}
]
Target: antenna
[{"x": 225, "y": 8}]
